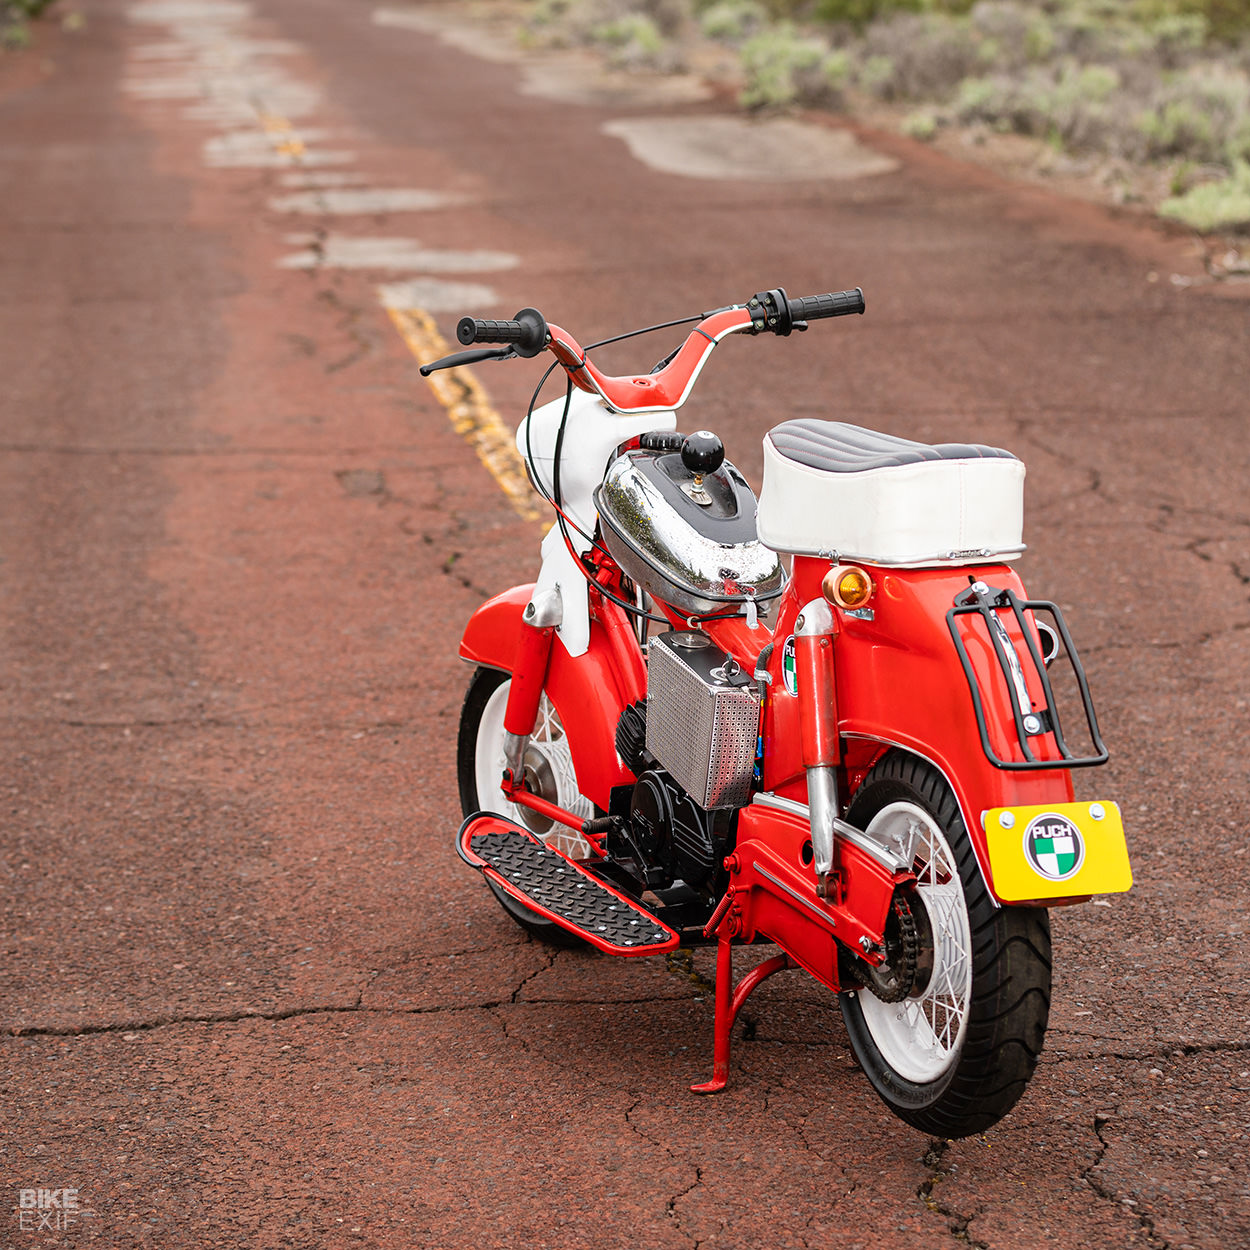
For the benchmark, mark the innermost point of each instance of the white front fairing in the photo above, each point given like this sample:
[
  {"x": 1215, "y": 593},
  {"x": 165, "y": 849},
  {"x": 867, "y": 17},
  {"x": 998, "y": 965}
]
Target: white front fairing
[{"x": 592, "y": 435}]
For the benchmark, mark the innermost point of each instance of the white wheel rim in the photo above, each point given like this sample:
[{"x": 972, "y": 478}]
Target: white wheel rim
[
  {"x": 549, "y": 740},
  {"x": 920, "y": 1037}
]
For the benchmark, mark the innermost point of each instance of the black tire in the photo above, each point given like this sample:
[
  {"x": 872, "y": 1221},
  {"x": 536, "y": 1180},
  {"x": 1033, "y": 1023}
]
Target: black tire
[
  {"x": 969, "y": 1085},
  {"x": 484, "y": 683}
]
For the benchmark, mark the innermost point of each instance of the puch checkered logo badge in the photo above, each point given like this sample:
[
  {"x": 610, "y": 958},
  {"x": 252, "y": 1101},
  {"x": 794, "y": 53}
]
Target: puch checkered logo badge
[
  {"x": 789, "y": 672},
  {"x": 1054, "y": 847}
]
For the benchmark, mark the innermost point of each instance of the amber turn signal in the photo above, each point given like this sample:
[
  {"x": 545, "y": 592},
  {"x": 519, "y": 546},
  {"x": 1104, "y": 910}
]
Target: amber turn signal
[{"x": 847, "y": 586}]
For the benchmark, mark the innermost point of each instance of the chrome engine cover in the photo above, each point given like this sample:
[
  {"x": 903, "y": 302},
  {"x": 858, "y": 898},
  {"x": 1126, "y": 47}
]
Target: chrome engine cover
[{"x": 699, "y": 558}]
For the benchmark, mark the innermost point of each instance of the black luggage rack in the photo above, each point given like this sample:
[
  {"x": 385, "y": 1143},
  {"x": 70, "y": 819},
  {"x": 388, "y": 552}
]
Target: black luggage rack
[{"x": 987, "y": 602}]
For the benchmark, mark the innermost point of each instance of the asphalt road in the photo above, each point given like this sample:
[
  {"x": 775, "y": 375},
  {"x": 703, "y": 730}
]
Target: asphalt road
[{"x": 249, "y": 996}]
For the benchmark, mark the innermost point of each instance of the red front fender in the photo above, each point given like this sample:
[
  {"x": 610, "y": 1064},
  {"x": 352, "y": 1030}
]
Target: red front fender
[{"x": 589, "y": 692}]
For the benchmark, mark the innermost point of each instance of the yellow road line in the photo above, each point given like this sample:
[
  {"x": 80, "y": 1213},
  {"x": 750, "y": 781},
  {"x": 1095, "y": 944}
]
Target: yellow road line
[
  {"x": 459, "y": 392},
  {"x": 282, "y": 134},
  {"x": 472, "y": 416}
]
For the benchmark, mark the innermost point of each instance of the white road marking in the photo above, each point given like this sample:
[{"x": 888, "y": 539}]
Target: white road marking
[
  {"x": 170, "y": 12},
  {"x": 236, "y": 83},
  {"x": 269, "y": 149},
  {"x": 436, "y": 295},
  {"x": 183, "y": 49},
  {"x": 320, "y": 178},
  {"x": 338, "y": 251},
  {"x": 364, "y": 200}
]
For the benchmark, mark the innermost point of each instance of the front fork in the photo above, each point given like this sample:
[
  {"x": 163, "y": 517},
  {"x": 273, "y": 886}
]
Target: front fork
[{"x": 529, "y": 674}]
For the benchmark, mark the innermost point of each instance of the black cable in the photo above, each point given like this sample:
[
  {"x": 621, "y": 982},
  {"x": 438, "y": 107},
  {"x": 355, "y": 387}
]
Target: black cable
[
  {"x": 664, "y": 325},
  {"x": 563, "y": 520},
  {"x": 535, "y": 477},
  {"x": 557, "y": 503}
]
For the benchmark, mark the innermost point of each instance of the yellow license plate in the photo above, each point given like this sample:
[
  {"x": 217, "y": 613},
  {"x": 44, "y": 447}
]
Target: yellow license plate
[{"x": 1057, "y": 850}]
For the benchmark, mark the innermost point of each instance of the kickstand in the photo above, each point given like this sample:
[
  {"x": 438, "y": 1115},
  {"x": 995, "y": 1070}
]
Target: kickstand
[{"x": 729, "y": 1001}]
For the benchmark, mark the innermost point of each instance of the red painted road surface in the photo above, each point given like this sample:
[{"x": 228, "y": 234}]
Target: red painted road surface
[{"x": 249, "y": 996}]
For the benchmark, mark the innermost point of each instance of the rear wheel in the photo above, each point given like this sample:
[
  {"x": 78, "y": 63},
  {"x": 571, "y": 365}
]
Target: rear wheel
[
  {"x": 953, "y": 1056},
  {"x": 548, "y": 772}
]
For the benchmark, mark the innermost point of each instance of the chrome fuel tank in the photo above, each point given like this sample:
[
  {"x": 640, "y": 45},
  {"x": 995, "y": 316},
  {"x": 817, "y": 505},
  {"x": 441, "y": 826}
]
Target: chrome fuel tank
[{"x": 699, "y": 557}]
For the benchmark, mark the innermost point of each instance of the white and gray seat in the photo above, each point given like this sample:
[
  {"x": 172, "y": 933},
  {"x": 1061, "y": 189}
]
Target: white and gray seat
[{"x": 838, "y": 489}]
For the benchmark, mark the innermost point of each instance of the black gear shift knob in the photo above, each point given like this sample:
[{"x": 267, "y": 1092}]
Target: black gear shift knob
[{"x": 702, "y": 452}]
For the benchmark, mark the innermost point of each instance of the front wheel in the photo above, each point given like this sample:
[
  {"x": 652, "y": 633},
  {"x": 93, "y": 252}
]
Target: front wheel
[
  {"x": 548, "y": 772},
  {"x": 952, "y": 1053}
]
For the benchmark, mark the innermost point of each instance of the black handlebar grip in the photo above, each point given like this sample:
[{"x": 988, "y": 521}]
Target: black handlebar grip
[
  {"x": 835, "y": 304},
  {"x": 527, "y": 331},
  {"x": 471, "y": 330}
]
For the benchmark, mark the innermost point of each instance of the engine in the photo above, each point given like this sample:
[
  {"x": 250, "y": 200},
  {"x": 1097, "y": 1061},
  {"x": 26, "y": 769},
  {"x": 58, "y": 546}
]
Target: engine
[{"x": 692, "y": 747}]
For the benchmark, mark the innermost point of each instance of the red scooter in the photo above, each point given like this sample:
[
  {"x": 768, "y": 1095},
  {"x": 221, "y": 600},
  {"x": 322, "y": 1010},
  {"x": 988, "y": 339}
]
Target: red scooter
[{"x": 878, "y": 782}]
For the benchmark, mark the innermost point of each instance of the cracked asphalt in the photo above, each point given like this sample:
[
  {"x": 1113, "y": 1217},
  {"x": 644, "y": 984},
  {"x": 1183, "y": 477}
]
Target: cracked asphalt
[{"x": 248, "y": 994}]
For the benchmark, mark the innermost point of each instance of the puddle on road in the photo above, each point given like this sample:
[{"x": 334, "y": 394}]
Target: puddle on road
[{"x": 735, "y": 147}]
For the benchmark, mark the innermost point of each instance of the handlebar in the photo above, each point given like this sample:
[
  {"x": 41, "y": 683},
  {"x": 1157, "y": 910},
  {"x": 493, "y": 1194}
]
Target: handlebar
[{"x": 529, "y": 333}]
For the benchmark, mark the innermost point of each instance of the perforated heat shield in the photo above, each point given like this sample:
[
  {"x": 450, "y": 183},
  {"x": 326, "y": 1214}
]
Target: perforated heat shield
[{"x": 702, "y": 718}]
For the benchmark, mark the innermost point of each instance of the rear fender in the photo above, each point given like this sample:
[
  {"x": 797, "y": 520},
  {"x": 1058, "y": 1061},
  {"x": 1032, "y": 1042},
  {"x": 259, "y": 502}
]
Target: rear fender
[
  {"x": 589, "y": 691},
  {"x": 900, "y": 685}
]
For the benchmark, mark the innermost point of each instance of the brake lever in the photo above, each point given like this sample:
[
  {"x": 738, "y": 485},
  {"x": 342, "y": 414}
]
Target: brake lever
[{"x": 471, "y": 357}]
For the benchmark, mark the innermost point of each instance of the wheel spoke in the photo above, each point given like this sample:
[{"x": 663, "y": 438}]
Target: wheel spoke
[{"x": 921, "y": 1036}]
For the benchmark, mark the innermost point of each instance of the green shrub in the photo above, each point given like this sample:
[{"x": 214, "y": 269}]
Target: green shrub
[
  {"x": 1199, "y": 115},
  {"x": 876, "y": 75},
  {"x": 835, "y": 69},
  {"x": 1039, "y": 38},
  {"x": 922, "y": 125},
  {"x": 1223, "y": 205},
  {"x": 1070, "y": 107},
  {"x": 1178, "y": 34},
  {"x": 549, "y": 12},
  {"x": 25, "y": 8},
  {"x": 1226, "y": 19},
  {"x": 1238, "y": 146},
  {"x": 859, "y": 13},
  {"x": 782, "y": 67},
  {"x": 982, "y": 99},
  {"x": 1179, "y": 128},
  {"x": 634, "y": 39},
  {"x": 930, "y": 54},
  {"x": 732, "y": 20}
]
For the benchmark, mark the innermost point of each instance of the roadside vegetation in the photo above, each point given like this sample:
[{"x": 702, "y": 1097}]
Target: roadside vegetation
[
  {"x": 15, "y": 19},
  {"x": 1147, "y": 84}
]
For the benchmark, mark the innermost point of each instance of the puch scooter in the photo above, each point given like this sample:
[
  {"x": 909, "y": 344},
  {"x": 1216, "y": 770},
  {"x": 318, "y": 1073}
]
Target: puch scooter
[{"x": 880, "y": 784}]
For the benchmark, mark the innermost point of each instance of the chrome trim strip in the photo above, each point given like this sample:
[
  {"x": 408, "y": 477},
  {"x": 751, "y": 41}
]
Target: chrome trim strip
[
  {"x": 769, "y": 799},
  {"x": 938, "y": 558},
  {"x": 902, "y": 746},
  {"x": 883, "y": 855},
  {"x": 794, "y": 894}
]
